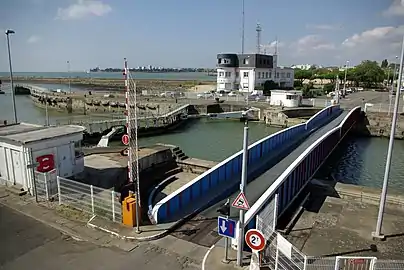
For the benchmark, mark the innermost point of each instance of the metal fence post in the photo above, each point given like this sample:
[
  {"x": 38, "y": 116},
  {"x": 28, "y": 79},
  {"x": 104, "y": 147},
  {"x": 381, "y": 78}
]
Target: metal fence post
[
  {"x": 92, "y": 198},
  {"x": 45, "y": 176},
  {"x": 113, "y": 204},
  {"x": 276, "y": 257},
  {"x": 59, "y": 193},
  {"x": 305, "y": 263},
  {"x": 275, "y": 212}
]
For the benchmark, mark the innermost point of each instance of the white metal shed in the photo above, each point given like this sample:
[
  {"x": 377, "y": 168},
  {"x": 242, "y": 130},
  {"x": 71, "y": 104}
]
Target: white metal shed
[{"x": 25, "y": 148}]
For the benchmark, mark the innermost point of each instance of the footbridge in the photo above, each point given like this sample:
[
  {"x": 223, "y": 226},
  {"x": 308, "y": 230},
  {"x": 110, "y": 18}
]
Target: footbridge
[{"x": 268, "y": 160}]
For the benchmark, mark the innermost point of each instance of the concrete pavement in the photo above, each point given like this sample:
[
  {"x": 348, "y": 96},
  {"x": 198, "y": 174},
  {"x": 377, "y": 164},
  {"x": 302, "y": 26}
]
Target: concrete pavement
[{"x": 34, "y": 235}]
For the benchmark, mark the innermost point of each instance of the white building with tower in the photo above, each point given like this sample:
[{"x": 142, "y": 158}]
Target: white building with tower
[{"x": 246, "y": 72}]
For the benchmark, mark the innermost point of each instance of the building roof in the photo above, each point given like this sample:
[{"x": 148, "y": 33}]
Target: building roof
[
  {"x": 290, "y": 92},
  {"x": 24, "y": 133}
]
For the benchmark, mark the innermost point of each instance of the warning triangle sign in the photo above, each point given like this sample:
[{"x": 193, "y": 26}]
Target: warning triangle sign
[{"x": 241, "y": 202}]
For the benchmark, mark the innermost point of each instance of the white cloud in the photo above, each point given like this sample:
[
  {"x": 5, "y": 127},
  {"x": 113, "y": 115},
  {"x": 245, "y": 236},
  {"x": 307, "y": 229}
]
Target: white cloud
[
  {"x": 387, "y": 36},
  {"x": 323, "y": 26},
  {"x": 33, "y": 39},
  {"x": 395, "y": 9},
  {"x": 271, "y": 46},
  {"x": 312, "y": 43},
  {"x": 83, "y": 9}
]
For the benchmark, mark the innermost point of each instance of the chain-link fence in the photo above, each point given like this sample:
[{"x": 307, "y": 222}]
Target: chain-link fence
[
  {"x": 383, "y": 108},
  {"x": 389, "y": 264},
  {"x": 90, "y": 199}
]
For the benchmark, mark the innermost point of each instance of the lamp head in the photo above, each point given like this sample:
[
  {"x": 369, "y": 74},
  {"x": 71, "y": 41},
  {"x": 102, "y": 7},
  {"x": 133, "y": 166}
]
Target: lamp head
[{"x": 8, "y": 32}]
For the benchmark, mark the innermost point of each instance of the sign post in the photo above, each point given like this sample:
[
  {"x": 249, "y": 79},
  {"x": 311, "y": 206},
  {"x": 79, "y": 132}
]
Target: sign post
[{"x": 227, "y": 229}]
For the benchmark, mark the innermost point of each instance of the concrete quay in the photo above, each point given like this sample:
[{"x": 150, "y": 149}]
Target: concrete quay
[{"x": 338, "y": 219}]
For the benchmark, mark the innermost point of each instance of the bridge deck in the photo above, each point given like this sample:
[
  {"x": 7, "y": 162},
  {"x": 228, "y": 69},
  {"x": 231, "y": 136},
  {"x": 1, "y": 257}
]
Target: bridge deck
[
  {"x": 257, "y": 187},
  {"x": 202, "y": 228}
]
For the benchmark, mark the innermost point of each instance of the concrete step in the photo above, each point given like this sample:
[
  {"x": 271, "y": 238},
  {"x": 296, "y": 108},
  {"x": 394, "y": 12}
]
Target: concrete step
[{"x": 17, "y": 190}]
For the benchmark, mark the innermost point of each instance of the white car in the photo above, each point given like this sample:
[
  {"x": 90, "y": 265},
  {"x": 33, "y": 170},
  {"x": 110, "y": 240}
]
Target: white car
[
  {"x": 205, "y": 95},
  {"x": 232, "y": 94}
]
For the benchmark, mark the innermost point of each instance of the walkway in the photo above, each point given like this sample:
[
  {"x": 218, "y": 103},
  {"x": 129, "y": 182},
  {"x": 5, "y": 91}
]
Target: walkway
[
  {"x": 255, "y": 188},
  {"x": 202, "y": 228}
]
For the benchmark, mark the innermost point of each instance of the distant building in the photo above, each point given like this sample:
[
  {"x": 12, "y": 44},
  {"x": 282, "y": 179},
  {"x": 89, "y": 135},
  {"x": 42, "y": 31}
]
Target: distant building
[
  {"x": 245, "y": 72},
  {"x": 306, "y": 66}
]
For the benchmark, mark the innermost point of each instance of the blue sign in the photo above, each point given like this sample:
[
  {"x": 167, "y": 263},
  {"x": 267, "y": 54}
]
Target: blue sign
[{"x": 226, "y": 227}]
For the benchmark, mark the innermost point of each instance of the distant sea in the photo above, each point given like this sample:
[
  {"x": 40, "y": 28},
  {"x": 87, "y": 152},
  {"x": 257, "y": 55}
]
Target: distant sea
[{"x": 197, "y": 76}]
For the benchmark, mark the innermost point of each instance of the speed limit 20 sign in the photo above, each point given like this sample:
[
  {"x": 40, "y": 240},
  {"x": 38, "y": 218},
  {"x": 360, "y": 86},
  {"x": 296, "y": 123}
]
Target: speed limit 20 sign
[{"x": 255, "y": 239}]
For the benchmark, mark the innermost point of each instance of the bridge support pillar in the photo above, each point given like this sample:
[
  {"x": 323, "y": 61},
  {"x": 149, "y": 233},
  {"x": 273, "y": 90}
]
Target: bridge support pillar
[{"x": 105, "y": 139}]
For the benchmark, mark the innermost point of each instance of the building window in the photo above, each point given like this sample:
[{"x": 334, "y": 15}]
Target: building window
[
  {"x": 270, "y": 74},
  {"x": 226, "y": 61},
  {"x": 219, "y": 61},
  {"x": 245, "y": 61},
  {"x": 237, "y": 74},
  {"x": 277, "y": 74},
  {"x": 228, "y": 74},
  {"x": 282, "y": 75},
  {"x": 288, "y": 75},
  {"x": 245, "y": 74},
  {"x": 221, "y": 74},
  {"x": 236, "y": 86},
  {"x": 245, "y": 85},
  {"x": 267, "y": 75},
  {"x": 259, "y": 75}
]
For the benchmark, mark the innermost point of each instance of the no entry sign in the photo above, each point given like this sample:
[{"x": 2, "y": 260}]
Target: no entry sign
[{"x": 125, "y": 139}]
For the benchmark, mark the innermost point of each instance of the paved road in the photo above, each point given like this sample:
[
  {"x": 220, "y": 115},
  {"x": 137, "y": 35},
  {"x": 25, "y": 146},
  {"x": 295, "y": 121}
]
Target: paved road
[
  {"x": 28, "y": 244},
  {"x": 202, "y": 228},
  {"x": 257, "y": 187}
]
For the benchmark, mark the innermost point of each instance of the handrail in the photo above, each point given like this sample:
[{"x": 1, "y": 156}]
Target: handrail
[
  {"x": 229, "y": 159},
  {"x": 256, "y": 207},
  {"x": 314, "y": 117},
  {"x": 217, "y": 166}
]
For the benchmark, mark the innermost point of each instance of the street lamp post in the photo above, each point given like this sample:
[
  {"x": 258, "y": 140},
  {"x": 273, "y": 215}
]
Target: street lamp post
[
  {"x": 377, "y": 234},
  {"x": 68, "y": 72},
  {"x": 392, "y": 85},
  {"x": 346, "y": 71},
  {"x": 8, "y": 33},
  {"x": 240, "y": 242}
]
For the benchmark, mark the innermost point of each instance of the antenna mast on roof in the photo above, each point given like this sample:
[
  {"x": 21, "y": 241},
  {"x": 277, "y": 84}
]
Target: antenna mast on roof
[{"x": 258, "y": 29}]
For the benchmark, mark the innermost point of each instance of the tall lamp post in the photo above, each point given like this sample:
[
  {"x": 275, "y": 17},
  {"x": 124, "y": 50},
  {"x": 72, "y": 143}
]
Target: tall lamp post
[
  {"x": 68, "y": 73},
  {"x": 346, "y": 71},
  {"x": 8, "y": 33},
  {"x": 377, "y": 234},
  {"x": 392, "y": 84}
]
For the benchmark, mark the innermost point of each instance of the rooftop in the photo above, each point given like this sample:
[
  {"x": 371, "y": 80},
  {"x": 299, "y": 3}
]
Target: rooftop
[{"x": 23, "y": 133}]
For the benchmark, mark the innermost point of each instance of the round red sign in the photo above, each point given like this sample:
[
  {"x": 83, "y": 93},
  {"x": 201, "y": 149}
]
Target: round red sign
[
  {"x": 255, "y": 239},
  {"x": 125, "y": 139}
]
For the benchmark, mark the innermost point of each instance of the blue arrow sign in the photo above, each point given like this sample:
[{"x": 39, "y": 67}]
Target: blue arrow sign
[{"x": 226, "y": 227}]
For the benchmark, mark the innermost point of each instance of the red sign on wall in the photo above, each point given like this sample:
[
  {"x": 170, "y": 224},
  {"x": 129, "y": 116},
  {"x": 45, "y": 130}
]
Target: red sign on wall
[{"x": 46, "y": 163}]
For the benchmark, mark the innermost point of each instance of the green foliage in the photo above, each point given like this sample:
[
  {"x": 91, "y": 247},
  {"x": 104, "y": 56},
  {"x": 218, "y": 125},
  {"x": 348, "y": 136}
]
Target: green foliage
[
  {"x": 268, "y": 86},
  {"x": 307, "y": 90},
  {"x": 297, "y": 84},
  {"x": 329, "y": 87},
  {"x": 368, "y": 74},
  {"x": 384, "y": 63}
]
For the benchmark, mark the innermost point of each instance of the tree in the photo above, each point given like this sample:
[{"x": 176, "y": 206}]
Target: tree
[
  {"x": 302, "y": 75},
  {"x": 268, "y": 86},
  {"x": 306, "y": 91},
  {"x": 329, "y": 87},
  {"x": 369, "y": 73},
  {"x": 384, "y": 64}
]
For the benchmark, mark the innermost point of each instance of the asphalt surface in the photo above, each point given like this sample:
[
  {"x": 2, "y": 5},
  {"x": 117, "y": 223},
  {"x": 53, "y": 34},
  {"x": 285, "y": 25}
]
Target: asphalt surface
[
  {"x": 28, "y": 244},
  {"x": 256, "y": 188},
  {"x": 202, "y": 229}
]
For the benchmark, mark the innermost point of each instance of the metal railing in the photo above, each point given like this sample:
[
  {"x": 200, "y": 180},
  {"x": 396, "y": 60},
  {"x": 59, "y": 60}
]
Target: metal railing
[{"x": 90, "y": 199}]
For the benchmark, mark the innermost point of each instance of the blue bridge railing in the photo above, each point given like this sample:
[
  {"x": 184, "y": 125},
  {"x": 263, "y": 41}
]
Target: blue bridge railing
[{"x": 203, "y": 186}]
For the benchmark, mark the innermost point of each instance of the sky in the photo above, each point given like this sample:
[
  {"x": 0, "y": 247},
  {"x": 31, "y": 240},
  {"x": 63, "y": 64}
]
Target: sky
[{"x": 190, "y": 33}]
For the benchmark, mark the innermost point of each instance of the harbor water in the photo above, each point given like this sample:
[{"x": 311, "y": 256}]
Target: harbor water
[{"x": 359, "y": 161}]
